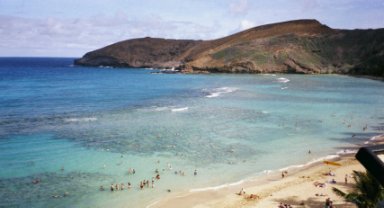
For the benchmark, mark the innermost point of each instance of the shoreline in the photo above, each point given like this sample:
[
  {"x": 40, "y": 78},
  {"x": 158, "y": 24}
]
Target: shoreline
[{"x": 269, "y": 189}]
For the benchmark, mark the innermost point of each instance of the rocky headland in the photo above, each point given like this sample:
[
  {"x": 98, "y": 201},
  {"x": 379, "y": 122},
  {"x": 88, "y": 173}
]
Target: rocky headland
[{"x": 300, "y": 46}]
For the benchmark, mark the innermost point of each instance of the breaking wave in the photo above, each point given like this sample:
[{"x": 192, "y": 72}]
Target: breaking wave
[
  {"x": 219, "y": 91},
  {"x": 283, "y": 80},
  {"x": 82, "y": 119}
]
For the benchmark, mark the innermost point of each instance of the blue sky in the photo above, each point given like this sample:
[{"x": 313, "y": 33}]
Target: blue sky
[{"x": 71, "y": 28}]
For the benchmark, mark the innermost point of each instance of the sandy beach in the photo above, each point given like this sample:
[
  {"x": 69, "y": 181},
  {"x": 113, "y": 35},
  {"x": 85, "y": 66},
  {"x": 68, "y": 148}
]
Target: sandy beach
[{"x": 297, "y": 188}]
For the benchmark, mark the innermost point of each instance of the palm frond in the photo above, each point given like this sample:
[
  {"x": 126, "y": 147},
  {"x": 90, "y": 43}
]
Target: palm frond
[
  {"x": 367, "y": 191},
  {"x": 338, "y": 192}
]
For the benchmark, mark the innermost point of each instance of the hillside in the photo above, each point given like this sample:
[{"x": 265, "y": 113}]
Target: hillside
[{"x": 301, "y": 46}]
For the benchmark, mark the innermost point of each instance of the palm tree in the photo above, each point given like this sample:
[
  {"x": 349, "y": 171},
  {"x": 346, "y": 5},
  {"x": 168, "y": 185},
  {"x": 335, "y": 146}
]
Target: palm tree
[{"x": 367, "y": 191}]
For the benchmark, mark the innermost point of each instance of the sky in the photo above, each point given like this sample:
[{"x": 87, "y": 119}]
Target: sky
[{"x": 70, "y": 28}]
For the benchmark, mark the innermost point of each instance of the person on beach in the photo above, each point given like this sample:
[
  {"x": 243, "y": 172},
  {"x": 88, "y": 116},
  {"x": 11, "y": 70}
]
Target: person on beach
[
  {"x": 282, "y": 174},
  {"x": 328, "y": 203},
  {"x": 195, "y": 173},
  {"x": 253, "y": 196},
  {"x": 112, "y": 188},
  {"x": 141, "y": 185},
  {"x": 241, "y": 192},
  {"x": 158, "y": 176},
  {"x": 346, "y": 179},
  {"x": 129, "y": 185},
  {"x": 122, "y": 186}
]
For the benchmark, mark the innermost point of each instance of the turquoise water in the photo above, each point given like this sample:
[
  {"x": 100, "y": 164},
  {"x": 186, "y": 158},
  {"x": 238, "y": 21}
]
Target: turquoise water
[{"x": 77, "y": 128}]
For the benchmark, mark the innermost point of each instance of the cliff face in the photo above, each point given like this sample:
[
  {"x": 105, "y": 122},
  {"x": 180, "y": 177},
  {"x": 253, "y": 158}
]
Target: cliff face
[
  {"x": 302, "y": 46},
  {"x": 143, "y": 52}
]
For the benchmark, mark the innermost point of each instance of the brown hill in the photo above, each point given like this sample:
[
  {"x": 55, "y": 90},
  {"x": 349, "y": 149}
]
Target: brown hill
[{"x": 301, "y": 46}]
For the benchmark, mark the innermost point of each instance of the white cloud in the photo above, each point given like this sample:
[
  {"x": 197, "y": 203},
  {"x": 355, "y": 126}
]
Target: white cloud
[
  {"x": 246, "y": 24},
  {"x": 239, "y": 7},
  {"x": 74, "y": 37}
]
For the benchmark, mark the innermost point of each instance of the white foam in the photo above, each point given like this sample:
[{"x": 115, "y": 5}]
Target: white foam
[
  {"x": 214, "y": 188},
  {"x": 219, "y": 91},
  {"x": 317, "y": 160},
  {"x": 264, "y": 112},
  {"x": 214, "y": 94},
  {"x": 267, "y": 171},
  {"x": 179, "y": 109},
  {"x": 161, "y": 108},
  {"x": 374, "y": 139},
  {"x": 82, "y": 119},
  {"x": 346, "y": 151},
  {"x": 106, "y": 67},
  {"x": 283, "y": 80},
  {"x": 283, "y": 88}
]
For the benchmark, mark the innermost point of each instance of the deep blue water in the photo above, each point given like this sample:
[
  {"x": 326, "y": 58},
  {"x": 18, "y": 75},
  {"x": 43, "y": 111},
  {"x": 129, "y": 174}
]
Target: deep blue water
[{"x": 76, "y": 128}]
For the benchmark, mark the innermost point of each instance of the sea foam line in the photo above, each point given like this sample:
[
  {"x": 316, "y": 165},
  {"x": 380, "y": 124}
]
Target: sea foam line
[
  {"x": 375, "y": 139},
  {"x": 83, "y": 119},
  {"x": 266, "y": 172},
  {"x": 179, "y": 109},
  {"x": 221, "y": 90},
  {"x": 283, "y": 80},
  {"x": 214, "y": 188}
]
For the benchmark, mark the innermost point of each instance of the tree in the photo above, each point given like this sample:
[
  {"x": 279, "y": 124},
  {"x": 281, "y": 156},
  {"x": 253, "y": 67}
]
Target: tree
[{"x": 367, "y": 191}]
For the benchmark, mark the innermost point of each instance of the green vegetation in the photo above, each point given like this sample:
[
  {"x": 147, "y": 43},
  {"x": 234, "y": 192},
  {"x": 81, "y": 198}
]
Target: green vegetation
[{"x": 367, "y": 191}]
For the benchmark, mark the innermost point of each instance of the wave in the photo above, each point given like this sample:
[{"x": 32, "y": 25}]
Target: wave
[
  {"x": 283, "y": 80},
  {"x": 179, "y": 109},
  {"x": 161, "y": 108},
  {"x": 105, "y": 67},
  {"x": 267, "y": 172},
  {"x": 166, "y": 109},
  {"x": 375, "y": 139},
  {"x": 219, "y": 91},
  {"x": 312, "y": 162},
  {"x": 214, "y": 188},
  {"x": 83, "y": 119},
  {"x": 346, "y": 152}
]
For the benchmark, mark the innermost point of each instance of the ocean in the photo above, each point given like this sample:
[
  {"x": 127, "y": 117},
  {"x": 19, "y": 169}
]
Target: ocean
[{"x": 67, "y": 130}]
